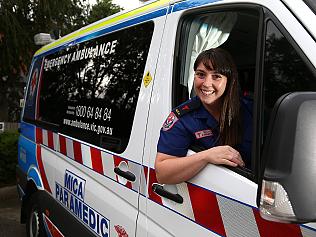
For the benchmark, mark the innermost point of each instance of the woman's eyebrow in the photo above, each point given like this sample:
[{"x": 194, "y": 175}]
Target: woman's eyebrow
[
  {"x": 213, "y": 72},
  {"x": 216, "y": 72}
]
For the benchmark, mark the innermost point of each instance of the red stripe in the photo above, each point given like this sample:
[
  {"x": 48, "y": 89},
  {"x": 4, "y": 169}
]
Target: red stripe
[
  {"x": 152, "y": 179},
  {"x": 206, "y": 210},
  {"x": 117, "y": 161},
  {"x": 50, "y": 139},
  {"x": 53, "y": 229},
  {"x": 145, "y": 173},
  {"x": 269, "y": 228},
  {"x": 129, "y": 184},
  {"x": 77, "y": 151},
  {"x": 41, "y": 168},
  {"x": 39, "y": 136},
  {"x": 49, "y": 225},
  {"x": 62, "y": 145},
  {"x": 96, "y": 160}
]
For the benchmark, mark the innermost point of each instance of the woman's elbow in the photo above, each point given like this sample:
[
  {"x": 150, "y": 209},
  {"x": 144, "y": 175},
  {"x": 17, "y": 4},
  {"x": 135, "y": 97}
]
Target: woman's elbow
[
  {"x": 162, "y": 168},
  {"x": 159, "y": 176}
]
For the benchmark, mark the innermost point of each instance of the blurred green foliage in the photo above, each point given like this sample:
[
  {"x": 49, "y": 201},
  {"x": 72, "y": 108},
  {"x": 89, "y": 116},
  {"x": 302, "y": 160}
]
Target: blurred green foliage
[
  {"x": 20, "y": 21},
  {"x": 8, "y": 157}
]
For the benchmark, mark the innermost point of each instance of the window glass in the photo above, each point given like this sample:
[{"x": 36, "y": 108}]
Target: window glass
[
  {"x": 284, "y": 70},
  {"x": 90, "y": 90},
  {"x": 30, "y": 102}
]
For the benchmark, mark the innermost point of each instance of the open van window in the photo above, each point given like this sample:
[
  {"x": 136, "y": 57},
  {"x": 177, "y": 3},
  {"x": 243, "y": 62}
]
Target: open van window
[{"x": 233, "y": 30}]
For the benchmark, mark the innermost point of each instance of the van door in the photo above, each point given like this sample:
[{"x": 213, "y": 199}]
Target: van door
[
  {"x": 219, "y": 201},
  {"x": 98, "y": 98}
]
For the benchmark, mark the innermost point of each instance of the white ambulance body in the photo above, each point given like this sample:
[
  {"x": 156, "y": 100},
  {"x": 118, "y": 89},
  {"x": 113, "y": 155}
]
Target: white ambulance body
[{"x": 97, "y": 98}]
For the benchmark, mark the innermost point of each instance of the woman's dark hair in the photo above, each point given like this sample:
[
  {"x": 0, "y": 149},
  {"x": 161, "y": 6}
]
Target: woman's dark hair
[{"x": 222, "y": 62}]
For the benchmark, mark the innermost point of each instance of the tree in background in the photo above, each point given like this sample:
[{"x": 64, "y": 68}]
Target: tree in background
[
  {"x": 20, "y": 21},
  {"x": 101, "y": 9}
]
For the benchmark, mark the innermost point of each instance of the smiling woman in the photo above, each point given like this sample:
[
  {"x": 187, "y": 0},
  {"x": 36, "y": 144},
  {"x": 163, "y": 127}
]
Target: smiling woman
[{"x": 211, "y": 120}]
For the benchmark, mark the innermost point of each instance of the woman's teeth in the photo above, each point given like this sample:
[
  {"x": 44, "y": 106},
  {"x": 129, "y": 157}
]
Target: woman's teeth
[{"x": 207, "y": 92}]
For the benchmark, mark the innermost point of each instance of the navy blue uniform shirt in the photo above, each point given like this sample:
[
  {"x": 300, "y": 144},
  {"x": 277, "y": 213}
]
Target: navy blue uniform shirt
[{"x": 191, "y": 124}]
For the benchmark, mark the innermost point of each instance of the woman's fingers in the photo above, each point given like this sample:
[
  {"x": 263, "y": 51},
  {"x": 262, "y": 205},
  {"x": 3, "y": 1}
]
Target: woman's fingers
[
  {"x": 226, "y": 155},
  {"x": 234, "y": 156},
  {"x": 237, "y": 159},
  {"x": 229, "y": 163}
]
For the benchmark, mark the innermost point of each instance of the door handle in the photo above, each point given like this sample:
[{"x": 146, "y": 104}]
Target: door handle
[
  {"x": 125, "y": 174},
  {"x": 157, "y": 188}
]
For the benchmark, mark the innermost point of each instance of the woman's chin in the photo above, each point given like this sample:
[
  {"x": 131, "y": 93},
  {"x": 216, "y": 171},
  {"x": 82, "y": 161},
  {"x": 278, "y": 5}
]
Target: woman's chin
[{"x": 207, "y": 100}]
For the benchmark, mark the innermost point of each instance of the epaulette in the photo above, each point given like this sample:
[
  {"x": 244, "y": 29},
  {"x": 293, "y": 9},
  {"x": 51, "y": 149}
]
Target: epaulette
[{"x": 186, "y": 107}]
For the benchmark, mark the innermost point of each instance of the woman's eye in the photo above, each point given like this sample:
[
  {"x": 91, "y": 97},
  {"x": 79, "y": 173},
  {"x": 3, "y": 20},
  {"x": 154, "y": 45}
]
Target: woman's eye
[
  {"x": 200, "y": 75},
  {"x": 217, "y": 76}
]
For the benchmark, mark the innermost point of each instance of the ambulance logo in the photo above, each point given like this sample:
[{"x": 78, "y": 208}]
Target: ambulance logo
[
  {"x": 33, "y": 82},
  {"x": 121, "y": 232},
  {"x": 170, "y": 121}
]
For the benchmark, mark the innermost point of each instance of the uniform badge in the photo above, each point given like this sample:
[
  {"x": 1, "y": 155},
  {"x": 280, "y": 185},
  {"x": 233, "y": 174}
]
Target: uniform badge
[
  {"x": 186, "y": 107},
  {"x": 203, "y": 133},
  {"x": 170, "y": 121}
]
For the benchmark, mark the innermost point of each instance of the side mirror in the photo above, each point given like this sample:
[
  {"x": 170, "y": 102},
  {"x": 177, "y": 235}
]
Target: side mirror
[{"x": 288, "y": 188}]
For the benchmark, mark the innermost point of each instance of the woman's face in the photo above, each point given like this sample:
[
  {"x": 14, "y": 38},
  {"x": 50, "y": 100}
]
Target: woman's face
[{"x": 209, "y": 85}]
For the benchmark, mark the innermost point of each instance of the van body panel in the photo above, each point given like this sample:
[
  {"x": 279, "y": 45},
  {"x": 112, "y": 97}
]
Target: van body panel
[
  {"x": 105, "y": 188},
  {"x": 26, "y": 153},
  {"x": 304, "y": 14},
  {"x": 91, "y": 168},
  {"x": 232, "y": 194}
]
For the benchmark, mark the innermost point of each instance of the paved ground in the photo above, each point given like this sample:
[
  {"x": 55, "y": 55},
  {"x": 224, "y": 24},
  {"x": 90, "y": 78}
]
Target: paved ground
[{"x": 10, "y": 213}]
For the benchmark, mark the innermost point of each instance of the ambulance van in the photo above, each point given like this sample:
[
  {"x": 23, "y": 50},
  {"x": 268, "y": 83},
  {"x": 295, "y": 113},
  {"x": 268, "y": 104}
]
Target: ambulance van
[{"x": 97, "y": 98}]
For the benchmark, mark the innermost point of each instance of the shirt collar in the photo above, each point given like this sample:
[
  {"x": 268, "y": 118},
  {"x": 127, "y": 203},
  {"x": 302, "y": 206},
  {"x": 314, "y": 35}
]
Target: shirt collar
[{"x": 202, "y": 113}]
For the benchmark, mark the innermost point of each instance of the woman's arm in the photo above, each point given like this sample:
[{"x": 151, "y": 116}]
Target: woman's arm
[{"x": 173, "y": 169}]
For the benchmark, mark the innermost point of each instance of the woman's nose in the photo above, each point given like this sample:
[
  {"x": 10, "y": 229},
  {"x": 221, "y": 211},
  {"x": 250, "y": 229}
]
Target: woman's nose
[{"x": 208, "y": 80}]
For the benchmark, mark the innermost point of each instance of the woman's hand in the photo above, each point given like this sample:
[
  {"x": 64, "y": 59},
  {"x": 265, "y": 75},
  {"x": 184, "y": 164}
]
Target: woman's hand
[
  {"x": 173, "y": 169},
  {"x": 224, "y": 155}
]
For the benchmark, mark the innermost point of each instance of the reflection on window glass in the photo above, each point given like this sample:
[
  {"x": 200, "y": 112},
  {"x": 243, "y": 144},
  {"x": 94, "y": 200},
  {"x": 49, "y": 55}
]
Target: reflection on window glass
[
  {"x": 90, "y": 90},
  {"x": 30, "y": 102},
  {"x": 284, "y": 70}
]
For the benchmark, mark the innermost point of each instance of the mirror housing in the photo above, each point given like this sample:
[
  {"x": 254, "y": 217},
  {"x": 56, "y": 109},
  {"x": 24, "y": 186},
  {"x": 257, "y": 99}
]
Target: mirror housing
[
  {"x": 43, "y": 39},
  {"x": 288, "y": 188}
]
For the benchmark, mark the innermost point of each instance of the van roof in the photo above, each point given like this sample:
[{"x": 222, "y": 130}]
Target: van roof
[
  {"x": 103, "y": 23},
  {"x": 311, "y": 4}
]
